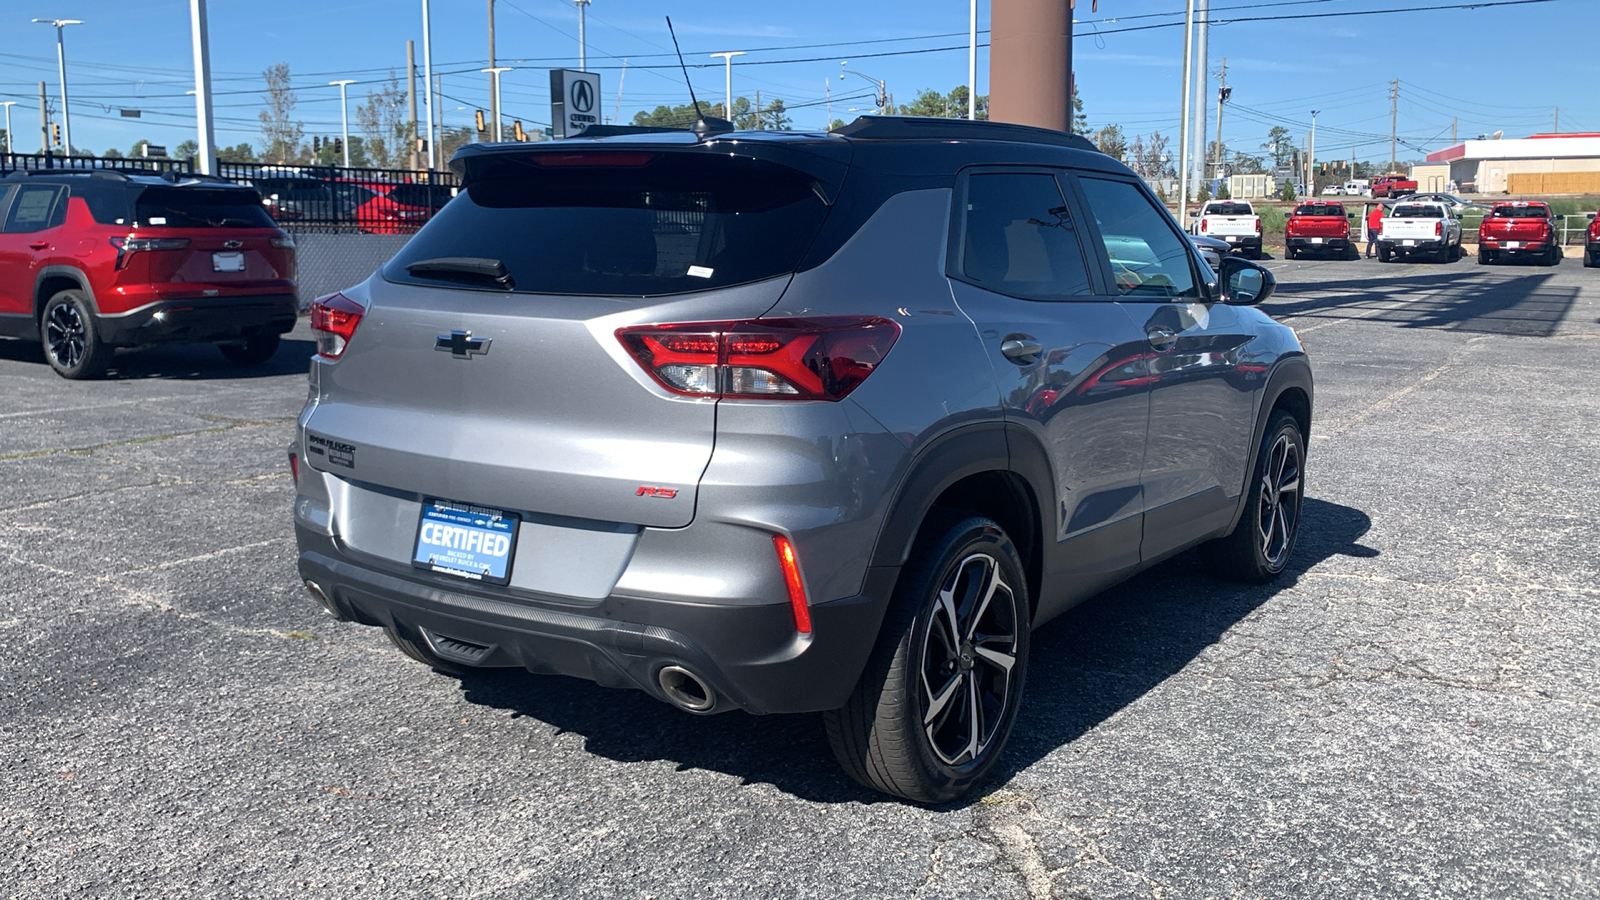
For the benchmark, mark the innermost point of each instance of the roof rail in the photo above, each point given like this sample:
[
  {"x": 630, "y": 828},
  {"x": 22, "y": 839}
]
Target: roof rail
[{"x": 932, "y": 128}]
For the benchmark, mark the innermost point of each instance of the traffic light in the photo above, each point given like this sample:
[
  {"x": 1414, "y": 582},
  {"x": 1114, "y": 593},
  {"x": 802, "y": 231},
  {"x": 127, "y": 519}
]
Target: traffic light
[
  {"x": 316, "y": 143},
  {"x": 481, "y": 129},
  {"x": 55, "y": 133},
  {"x": 338, "y": 146},
  {"x": 517, "y": 132}
]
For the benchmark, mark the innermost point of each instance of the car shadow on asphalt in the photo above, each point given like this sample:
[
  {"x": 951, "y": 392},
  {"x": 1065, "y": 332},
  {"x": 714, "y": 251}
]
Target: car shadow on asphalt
[
  {"x": 1522, "y": 303},
  {"x": 181, "y": 362},
  {"x": 1085, "y": 666}
]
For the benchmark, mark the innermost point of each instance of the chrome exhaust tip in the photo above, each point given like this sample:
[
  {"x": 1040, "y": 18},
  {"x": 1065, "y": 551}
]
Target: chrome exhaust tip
[
  {"x": 322, "y": 598},
  {"x": 685, "y": 689}
]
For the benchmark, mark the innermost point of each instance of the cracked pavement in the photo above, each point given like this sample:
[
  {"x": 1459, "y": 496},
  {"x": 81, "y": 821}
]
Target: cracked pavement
[{"x": 1413, "y": 712}]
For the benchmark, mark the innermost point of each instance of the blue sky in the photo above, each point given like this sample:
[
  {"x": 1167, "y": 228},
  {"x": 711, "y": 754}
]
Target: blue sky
[{"x": 137, "y": 55}]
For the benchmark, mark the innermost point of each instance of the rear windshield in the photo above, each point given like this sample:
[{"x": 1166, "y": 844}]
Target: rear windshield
[
  {"x": 1418, "y": 211},
  {"x": 200, "y": 208},
  {"x": 432, "y": 196},
  {"x": 1319, "y": 209},
  {"x": 1519, "y": 212},
  {"x": 679, "y": 222},
  {"x": 1229, "y": 209},
  {"x": 294, "y": 188}
]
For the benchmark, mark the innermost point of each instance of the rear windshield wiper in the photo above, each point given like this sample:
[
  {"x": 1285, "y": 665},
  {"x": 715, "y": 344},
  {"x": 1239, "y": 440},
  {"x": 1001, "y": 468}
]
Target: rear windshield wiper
[{"x": 465, "y": 269}]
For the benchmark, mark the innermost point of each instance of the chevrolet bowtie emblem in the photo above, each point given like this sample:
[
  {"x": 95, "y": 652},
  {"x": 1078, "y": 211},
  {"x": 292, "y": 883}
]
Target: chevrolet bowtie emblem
[{"x": 461, "y": 344}]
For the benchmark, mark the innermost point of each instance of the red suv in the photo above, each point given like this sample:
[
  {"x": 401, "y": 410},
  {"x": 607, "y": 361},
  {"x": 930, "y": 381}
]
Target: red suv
[{"x": 95, "y": 260}]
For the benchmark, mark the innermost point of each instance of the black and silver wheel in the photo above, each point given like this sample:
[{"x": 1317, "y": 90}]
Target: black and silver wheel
[
  {"x": 251, "y": 351},
  {"x": 939, "y": 695},
  {"x": 67, "y": 334},
  {"x": 1259, "y": 547}
]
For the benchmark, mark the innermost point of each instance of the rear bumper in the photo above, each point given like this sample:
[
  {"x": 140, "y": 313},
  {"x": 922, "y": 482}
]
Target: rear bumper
[
  {"x": 1239, "y": 241},
  {"x": 751, "y": 656},
  {"x": 1327, "y": 243},
  {"x": 202, "y": 319},
  {"x": 1418, "y": 246},
  {"x": 1499, "y": 246}
]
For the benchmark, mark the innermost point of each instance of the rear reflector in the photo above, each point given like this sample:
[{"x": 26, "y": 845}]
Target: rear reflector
[
  {"x": 294, "y": 466},
  {"x": 763, "y": 359},
  {"x": 791, "y": 579},
  {"x": 334, "y": 319}
]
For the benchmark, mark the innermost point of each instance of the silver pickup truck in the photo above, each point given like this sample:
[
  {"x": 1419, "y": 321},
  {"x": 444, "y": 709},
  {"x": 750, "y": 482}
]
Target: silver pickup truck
[{"x": 1427, "y": 228}]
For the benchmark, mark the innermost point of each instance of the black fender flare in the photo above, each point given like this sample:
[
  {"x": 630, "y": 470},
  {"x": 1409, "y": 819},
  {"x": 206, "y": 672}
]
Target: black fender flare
[
  {"x": 61, "y": 271},
  {"x": 1291, "y": 372}
]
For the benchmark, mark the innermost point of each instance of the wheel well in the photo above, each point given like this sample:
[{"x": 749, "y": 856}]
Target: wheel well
[
  {"x": 1295, "y": 402},
  {"x": 1010, "y": 501},
  {"x": 49, "y": 286}
]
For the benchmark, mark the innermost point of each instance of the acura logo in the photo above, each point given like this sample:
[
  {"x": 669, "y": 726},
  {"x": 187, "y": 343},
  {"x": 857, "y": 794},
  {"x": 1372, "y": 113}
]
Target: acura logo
[
  {"x": 461, "y": 344},
  {"x": 582, "y": 96}
]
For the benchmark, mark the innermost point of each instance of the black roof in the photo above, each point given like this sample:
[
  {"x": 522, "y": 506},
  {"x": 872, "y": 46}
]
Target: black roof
[{"x": 138, "y": 177}]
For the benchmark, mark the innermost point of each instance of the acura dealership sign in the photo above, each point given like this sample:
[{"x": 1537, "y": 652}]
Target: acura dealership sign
[{"x": 574, "y": 101}]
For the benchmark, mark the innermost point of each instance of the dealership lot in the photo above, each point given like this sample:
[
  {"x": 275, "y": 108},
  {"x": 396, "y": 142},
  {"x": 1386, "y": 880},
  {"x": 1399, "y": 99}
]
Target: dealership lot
[{"x": 1415, "y": 712}]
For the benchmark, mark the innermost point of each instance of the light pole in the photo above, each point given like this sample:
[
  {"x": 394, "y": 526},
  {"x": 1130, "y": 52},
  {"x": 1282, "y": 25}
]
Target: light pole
[
  {"x": 583, "y": 45},
  {"x": 427, "y": 84},
  {"x": 883, "y": 91},
  {"x": 494, "y": 77},
  {"x": 1311, "y": 156},
  {"x": 972, "y": 63},
  {"x": 344, "y": 117},
  {"x": 8, "y": 104},
  {"x": 727, "y": 67},
  {"x": 61, "y": 68}
]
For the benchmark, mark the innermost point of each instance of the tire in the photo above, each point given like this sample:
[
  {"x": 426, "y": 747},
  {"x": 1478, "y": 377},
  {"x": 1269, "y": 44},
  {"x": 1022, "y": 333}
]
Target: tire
[
  {"x": 419, "y": 651},
  {"x": 1291, "y": 253},
  {"x": 1260, "y": 546},
  {"x": 1383, "y": 254},
  {"x": 964, "y": 575},
  {"x": 1446, "y": 254},
  {"x": 1591, "y": 260},
  {"x": 1484, "y": 257},
  {"x": 68, "y": 337},
  {"x": 251, "y": 351}
]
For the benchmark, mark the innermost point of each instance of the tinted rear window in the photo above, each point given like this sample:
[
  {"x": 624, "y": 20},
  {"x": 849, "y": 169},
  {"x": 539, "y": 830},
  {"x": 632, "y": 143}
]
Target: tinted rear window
[
  {"x": 1229, "y": 209},
  {"x": 1520, "y": 212},
  {"x": 1319, "y": 209},
  {"x": 427, "y": 195},
  {"x": 1418, "y": 211},
  {"x": 199, "y": 208},
  {"x": 681, "y": 222}
]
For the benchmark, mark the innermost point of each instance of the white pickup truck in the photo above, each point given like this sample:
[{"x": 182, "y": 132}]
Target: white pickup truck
[
  {"x": 1420, "y": 227},
  {"x": 1234, "y": 221}
]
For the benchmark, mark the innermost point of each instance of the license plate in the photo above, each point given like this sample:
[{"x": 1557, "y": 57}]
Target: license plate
[
  {"x": 227, "y": 262},
  {"x": 466, "y": 541},
  {"x": 1316, "y": 240},
  {"x": 1513, "y": 245},
  {"x": 1231, "y": 238},
  {"x": 1408, "y": 243}
]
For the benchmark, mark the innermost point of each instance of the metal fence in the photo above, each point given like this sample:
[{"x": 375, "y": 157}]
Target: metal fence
[{"x": 313, "y": 199}]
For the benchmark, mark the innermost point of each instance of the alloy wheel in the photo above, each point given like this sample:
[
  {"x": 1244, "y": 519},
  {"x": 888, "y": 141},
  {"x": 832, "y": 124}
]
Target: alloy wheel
[
  {"x": 65, "y": 332},
  {"x": 969, "y": 653},
  {"x": 1278, "y": 512}
]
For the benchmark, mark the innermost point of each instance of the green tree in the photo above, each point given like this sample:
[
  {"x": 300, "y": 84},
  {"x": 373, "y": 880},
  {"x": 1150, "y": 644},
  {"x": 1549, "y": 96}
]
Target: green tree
[
  {"x": 1279, "y": 145},
  {"x": 953, "y": 105},
  {"x": 1203, "y": 194},
  {"x": 1245, "y": 164},
  {"x": 186, "y": 150},
  {"x": 112, "y": 153},
  {"x": 240, "y": 152},
  {"x": 138, "y": 148},
  {"x": 671, "y": 116},
  {"x": 1286, "y": 192},
  {"x": 1111, "y": 141},
  {"x": 1080, "y": 122}
]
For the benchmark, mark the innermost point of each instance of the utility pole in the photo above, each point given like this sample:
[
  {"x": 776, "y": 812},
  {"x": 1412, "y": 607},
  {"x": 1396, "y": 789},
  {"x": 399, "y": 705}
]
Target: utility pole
[
  {"x": 1183, "y": 122},
  {"x": 8, "y": 104},
  {"x": 583, "y": 44},
  {"x": 1557, "y": 128},
  {"x": 494, "y": 78},
  {"x": 1202, "y": 69},
  {"x": 1311, "y": 156},
  {"x": 411, "y": 102},
  {"x": 438, "y": 90},
  {"x": 1452, "y": 131},
  {"x": 972, "y": 67},
  {"x": 344, "y": 118},
  {"x": 1222, "y": 95},
  {"x": 427, "y": 84},
  {"x": 61, "y": 67},
  {"x": 202, "y": 87},
  {"x": 1394, "y": 111},
  {"x": 44, "y": 120}
]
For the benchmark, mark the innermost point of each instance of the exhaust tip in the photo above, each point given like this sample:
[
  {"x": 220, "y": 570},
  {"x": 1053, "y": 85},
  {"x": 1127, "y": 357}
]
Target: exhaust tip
[
  {"x": 322, "y": 598},
  {"x": 685, "y": 689}
]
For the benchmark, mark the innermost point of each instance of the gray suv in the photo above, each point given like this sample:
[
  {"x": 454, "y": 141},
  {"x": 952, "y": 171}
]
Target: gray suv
[{"x": 792, "y": 423}]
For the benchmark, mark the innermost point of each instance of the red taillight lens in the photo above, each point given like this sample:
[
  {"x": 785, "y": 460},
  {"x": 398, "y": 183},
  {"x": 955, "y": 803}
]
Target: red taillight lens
[
  {"x": 334, "y": 319},
  {"x": 1438, "y": 229},
  {"x": 791, "y": 580},
  {"x": 1205, "y": 226},
  {"x": 294, "y": 466},
  {"x": 763, "y": 359},
  {"x": 1258, "y": 226}
]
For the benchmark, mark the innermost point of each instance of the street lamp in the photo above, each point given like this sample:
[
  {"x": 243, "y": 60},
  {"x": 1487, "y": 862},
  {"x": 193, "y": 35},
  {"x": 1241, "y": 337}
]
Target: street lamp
[
  {"x": 883, "y": 92},
  {"x": 727, "y": 67},
  {"x": 8, "y": 104},
  {"x": 583, "y": 42},
  {"x": 1311, "y": 154},
  {"x": 494, "y": 76},
  {"x": 61, "y": 68},
  {"x": 344, "y": 117}
]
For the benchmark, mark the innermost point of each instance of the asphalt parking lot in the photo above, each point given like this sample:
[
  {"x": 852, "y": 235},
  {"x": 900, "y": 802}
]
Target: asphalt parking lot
[{"x": 1414, "y": 712}]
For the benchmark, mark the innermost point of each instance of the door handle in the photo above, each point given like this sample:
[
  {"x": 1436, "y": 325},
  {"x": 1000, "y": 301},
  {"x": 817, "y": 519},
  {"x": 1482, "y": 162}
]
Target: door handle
[
  {"x": 1162, "y": 339},
  {"x": 39, "y": 245},
  {"x": 1022, "y": 349}
]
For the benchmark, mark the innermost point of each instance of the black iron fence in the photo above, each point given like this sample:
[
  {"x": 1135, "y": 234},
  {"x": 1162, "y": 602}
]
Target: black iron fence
[{"x": 332, "y": 199}]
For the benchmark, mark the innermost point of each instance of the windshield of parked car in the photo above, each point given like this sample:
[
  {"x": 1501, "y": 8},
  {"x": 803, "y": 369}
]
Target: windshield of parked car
[
  {"x": 668, "y": 223},
  {"x": 1319, "y": 209},
  {"x": 1519, "y": 212},
  {"x": 200, "y": 208},
  {"x": 1228, "y": 209},
  {"x": 1418, "y": 211}
]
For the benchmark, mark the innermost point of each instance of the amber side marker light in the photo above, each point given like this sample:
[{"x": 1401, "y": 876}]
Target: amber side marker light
[{"x": 791, "y": 579}]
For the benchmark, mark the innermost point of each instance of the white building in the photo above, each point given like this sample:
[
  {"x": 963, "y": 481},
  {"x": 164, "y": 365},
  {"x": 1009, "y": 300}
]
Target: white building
[{"x": 1542, "y": 163}]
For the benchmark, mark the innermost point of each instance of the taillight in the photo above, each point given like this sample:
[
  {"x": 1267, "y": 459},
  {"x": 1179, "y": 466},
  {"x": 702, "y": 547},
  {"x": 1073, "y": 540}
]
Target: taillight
[
  {"x": 1258, "y": 226},
  {"x": 128, "y": 246},
  {"x": 283, "y": 243},
  {"x": 765, "y": 359},
  {"x": 791, "y": 580},
  {"x": 1205, "y": 225},
  {"x": 294, "y": 466},
  {"x": 334, "y": 319},
  {"x": 1438, "y": 229}
]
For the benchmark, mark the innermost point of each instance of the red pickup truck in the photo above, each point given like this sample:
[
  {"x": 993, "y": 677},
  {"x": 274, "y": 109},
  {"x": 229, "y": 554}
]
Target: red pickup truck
[
  {"x": 1591, "y": 243},
  {"x": 1393, "y": 185},
  {"x": 1519, "y": 228},
  {"x": 1320, "y": 226}
]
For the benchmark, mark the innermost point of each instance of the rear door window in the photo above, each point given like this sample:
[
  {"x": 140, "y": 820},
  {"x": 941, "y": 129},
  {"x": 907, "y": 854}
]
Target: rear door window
[
  {"x": 32, "y": 208},
  {"x": 650, "y": 223},
  {"x": 431, "y": 196},
  {"x": 1019, "y": 238},
  {"x": 1149, "y": 257},
  {"x": 200, "y": 208}
]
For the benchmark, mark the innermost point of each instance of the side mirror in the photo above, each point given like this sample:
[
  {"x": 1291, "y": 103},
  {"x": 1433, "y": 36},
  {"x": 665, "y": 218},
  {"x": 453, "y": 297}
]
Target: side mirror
[
  {"x": 1194, "y": 213},
  {"x": 1244, "y": 283}
]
